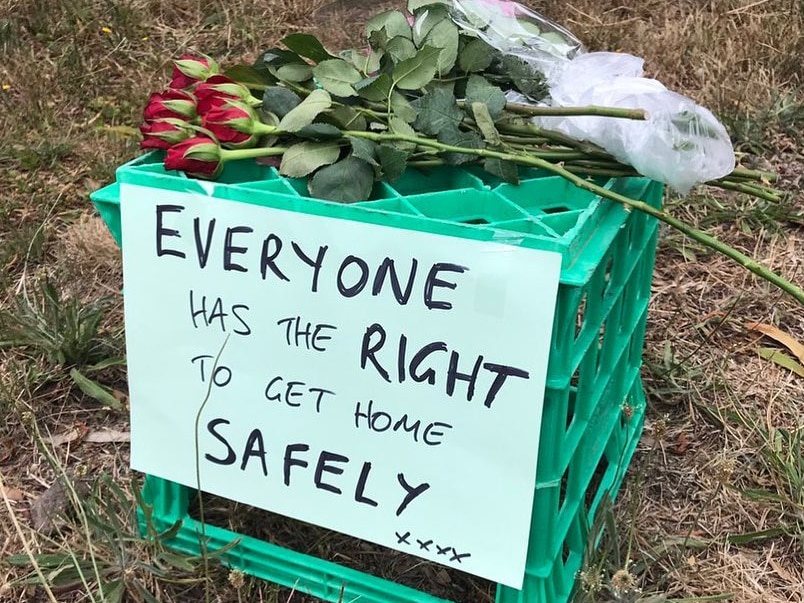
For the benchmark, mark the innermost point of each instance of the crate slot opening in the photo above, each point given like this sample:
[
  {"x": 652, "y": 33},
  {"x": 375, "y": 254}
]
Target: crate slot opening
[{"x": 434, "y": 579}]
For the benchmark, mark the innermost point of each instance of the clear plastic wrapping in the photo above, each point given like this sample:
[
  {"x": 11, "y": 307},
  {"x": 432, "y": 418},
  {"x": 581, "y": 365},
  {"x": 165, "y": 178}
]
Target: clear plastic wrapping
[{"x": 680, "y": 143}]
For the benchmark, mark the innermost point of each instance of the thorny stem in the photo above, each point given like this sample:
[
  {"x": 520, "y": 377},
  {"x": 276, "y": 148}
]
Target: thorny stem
[{"x": 527, "y": 159}]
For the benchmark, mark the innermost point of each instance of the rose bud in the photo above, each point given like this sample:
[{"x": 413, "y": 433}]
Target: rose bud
[
  {"x": 199, "y": 156},
  {"x": 164, "y": 133},
  {"x": 170, "y": 103},
  {"x": 220, "y": 85},
  {"x": 234, "y": 124},
  {"x": 190, "y": 69}
]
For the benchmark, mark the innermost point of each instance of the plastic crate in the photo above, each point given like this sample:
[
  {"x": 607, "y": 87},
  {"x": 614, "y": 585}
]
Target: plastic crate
[{"x": 593, "y": 406}]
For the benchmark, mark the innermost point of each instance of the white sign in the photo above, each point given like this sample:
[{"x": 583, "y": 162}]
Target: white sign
[{"x": 384, "y": 383}]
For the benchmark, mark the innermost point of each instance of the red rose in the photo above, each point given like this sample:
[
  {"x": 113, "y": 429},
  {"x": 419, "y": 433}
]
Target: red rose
[
  {"x": 233, "y": 123},
  {"x": 221, "y": 85},
  {"x": 190, "y": 69},
  {"x": 212, "y": 101},
  {"x": 163, "y": 133},
  {"x": 170, "y": 104},
  {"x": 199, "y": 156}
]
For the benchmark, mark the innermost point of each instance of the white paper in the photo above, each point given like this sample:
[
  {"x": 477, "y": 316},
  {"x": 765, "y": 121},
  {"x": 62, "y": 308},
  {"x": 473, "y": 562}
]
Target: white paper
[{"x": 453, "y": 483}]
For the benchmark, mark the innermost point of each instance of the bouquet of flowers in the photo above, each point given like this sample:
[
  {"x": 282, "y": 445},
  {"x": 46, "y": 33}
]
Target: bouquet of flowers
[{"x": 425, "y": 91}]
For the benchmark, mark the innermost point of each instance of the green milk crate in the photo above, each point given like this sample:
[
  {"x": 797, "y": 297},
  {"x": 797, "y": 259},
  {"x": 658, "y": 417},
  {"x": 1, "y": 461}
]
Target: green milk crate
[{"x": 594, "y": 404}]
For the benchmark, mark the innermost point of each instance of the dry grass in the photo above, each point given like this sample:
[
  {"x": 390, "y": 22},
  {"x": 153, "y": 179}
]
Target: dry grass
[{"x": 713, "y": 505}]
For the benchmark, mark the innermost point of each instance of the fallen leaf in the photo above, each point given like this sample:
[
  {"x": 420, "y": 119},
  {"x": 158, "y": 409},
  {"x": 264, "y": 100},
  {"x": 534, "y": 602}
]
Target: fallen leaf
[
  {"x": 14, "y": 494},
  {"x": 782, "y": 359},
  {"x": 782, "y": 572},
  {"x": 682, "y": 444},
  {"x": 780, "y": 336},
  {"x": 108, "y": 435},
  {"x": 50, "y": 507},
  {"x": 65, "y": 438}
]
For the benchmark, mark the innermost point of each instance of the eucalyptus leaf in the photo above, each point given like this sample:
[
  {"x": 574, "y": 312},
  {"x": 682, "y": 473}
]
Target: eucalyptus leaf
[
  {"x": 485, "y": 122},
  {"x": 347, "y": 181},
  {"x": 393, "y": 160},
  {"x": 477, "y": 55},
  {"x": 393, "y": 22},
  {"x": 279, "y": 100},
  {"x": 400, "y": 49},
  {"x": 479, "y": 90},
  {"x": 305, "y": 157},
  {"x": 438, "y": 110},
  {"x": 308, "y": 46},
  {"x": 457, "y": 138},
  {"x": 337, "y": 77},
  {"x": 249, "y": 76},
  {"x": 375, "y": 88},
  {"x": 294, "y": 72},
  {"x": 306, "y": 112},
  {"x": 502, "y": 169},
  {"x": 417, "y": 72}
]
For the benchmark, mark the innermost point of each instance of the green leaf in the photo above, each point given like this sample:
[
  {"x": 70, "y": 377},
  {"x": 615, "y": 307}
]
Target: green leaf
[
  {"x": 479, "y": 90},
  {"x": 374, "y": 88},
  {"x": 295, "y": 72},
  {"x": 392, "y": 21},
  {"x": 526, "y": 78},
  {"x": 104, "y": 364},
  {"x": 305, "y": 157},
  {"x": 426, "y": 20},
  {"x": 782, "y": 359},
  {"x": 279, "y": 56},
  {"x": 401, "y": 127},
  {"x": 444, "y": 35},
  {"x": 337, "y": 77},
  {"x": 400, "y": 49},
  {"x": 365, "y": 62},
  {"x": 347, "y": 181},
  {"x": 113, "y": 591},
  {"x": 248, "y": 76},
  {"x": 438, "y": 110},
  {"x": 347, "y": 118},
  {"x": 417, "y": 72},
  {"x": 378, "y": 40},
  {"x": 279, "y": 100},
  {"x": 477, "y": 55},
  {"x": 304, "y": 114},
  {"x": 466, "y": 140},
  {"x": 415, "y": 5},
  {"x": 402, "y": 108},
  {"x": 502, "y": 169},
  {"x": 486, "y": 124},
  {"x": 364, "y": 149},
  {"x": 308, "y": 46},
  {"x": 393, "y": 160},
  {"x": 95, "y": 390},
  {"x": 318, "y": 131}
]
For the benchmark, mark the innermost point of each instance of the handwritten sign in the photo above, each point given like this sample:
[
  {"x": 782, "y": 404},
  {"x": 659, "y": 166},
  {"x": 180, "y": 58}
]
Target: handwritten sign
[{"x": 381, "y": 382}]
